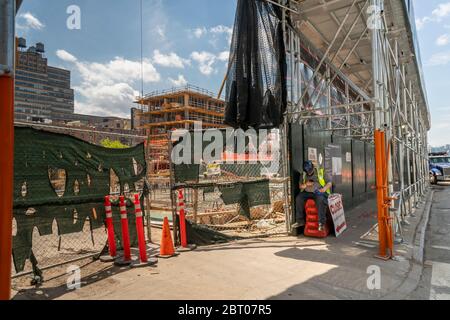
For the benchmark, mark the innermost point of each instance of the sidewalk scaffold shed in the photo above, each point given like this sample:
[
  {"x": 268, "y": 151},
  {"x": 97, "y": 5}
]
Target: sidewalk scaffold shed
[{"x": 341, "y": 72}]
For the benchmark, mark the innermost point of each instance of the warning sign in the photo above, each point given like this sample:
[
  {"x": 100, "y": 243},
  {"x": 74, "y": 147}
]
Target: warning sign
[
  {"x": 312, "y": 156},
  {"x": 338, "y": 214}
]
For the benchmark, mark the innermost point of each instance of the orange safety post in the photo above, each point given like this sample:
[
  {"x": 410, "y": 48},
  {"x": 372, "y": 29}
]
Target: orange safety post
[
  {"x": 182, "y": 217},
  {"x": 6, "y": 182},
  {"x": 383, "y": 202},
  {"x": 125, "y": 231},
  {"x": 140, "y": 229},
  {"x": 110, "y": 226}
]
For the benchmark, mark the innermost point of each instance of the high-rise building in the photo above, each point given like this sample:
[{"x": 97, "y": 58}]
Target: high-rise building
[{"x": 43, "y": 92}]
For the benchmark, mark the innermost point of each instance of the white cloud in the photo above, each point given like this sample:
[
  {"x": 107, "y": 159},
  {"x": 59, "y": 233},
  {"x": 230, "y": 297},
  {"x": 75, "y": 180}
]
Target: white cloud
[
  {"x": 117, "y": 70},
  {"x": 161, "y": 31},
  {"x": 205, "y": 60},
  {"x": 439, "y": 59},
  {"x": 437, "y": 15},
  {"x": 221, "y": 29},
  {"x": 442, "y": 11},
  {"x": 30, "y": 22},
  {"x": 420, "y": 22},
  {"x": 443, "y": 40},
  {"x": 200, "y": 32},
  {"x": 215, "y": 32},
  {"x": 181, "y": 81},
  {"x": 113, "y": 99},
  {"x": 439, "y": 130},
  {"x": 65, "y": 56},
  {"x": 171, "y": 60},
  {"x": 109, "y": 88},
  {"x": 224, "y": 56},
  {"x": 218, "y": 31}
]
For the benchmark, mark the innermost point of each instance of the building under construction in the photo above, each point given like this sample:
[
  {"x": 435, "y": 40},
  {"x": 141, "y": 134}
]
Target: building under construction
[{"x": 178, "y": 108}]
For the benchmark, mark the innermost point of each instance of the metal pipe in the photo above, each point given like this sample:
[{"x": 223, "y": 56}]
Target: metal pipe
[
  {"x": 7, "y": 38},
  {"x": 339, "y": 106},
  {"x": 330, "y": 46},
  {"x": 7, "y": 62},
  {"x": 282, "y": 6},
  {"x": 284, "y": 131},
  {"x": 334, "y": 116}
]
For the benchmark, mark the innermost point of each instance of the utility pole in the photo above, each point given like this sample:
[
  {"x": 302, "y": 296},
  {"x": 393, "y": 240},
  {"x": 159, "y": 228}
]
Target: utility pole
[{"x": 7, "y": 65}]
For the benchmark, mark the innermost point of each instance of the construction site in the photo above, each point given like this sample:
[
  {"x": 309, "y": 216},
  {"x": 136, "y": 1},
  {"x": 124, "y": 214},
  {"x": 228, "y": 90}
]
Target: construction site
[{"x": 336, "y": 83}]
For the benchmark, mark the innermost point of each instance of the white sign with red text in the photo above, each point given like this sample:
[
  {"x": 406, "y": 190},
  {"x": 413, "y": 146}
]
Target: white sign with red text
[{"x": 337, "y": 213}]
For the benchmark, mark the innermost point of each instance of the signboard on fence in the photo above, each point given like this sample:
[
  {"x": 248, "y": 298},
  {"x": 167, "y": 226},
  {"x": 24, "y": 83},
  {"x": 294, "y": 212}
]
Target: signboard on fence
[{"x": 337, "y": 213}]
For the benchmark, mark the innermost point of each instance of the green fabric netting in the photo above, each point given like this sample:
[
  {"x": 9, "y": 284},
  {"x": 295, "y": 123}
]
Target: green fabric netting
[
  {"x": 81, "y": 192},
  {"x": 246, "y": 194}
]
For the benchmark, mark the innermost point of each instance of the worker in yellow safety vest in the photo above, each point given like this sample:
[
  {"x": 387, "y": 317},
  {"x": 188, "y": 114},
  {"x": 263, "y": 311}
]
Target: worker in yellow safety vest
[{"x": 316, "y": 186}]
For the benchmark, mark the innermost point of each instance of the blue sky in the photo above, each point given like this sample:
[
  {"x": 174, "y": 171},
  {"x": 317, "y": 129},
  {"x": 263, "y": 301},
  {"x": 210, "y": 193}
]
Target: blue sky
[
  {"x": 433, "y": 22},
  {"x": 185, "y": 41}
]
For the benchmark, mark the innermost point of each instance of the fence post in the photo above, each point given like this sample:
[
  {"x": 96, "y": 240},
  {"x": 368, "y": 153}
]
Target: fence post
[
  {"x": 111, "y": 235},
  {"x": 125, "y": 234},
  {"x": 6, "y": 183},
  {"x": 144, "y": 261},
  {"x": 7, "y": 59},
  {"x": 182, "y": 218}
]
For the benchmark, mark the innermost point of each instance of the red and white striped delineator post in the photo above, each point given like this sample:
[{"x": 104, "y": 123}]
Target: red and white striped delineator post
[
  {"x": 182, "y": 215},
  {"x": 126, "y": 260},
  {"x": 111, "y": 236},
  {"x": 144, "y": 260},
  {"x": 182, "y": 218}
]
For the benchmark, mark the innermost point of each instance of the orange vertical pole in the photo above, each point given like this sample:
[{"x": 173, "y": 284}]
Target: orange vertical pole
[
  {"x": 385, "y": 233},
  {"x": 380, "y": 177},
  {"x": 6, "y": 182}
]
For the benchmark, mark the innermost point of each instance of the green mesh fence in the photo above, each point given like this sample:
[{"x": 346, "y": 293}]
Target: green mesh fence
[
  {"x": 233, "y": 197},
  {"x": 61, "y": 181}
]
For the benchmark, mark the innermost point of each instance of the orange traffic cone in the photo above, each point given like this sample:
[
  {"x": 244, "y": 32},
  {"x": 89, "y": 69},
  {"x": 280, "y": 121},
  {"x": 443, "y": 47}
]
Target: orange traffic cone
[{"x": 167, "y": 249}]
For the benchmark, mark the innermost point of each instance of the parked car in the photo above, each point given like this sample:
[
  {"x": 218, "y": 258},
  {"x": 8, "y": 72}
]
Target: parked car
[{"x": 439, "y": 167}]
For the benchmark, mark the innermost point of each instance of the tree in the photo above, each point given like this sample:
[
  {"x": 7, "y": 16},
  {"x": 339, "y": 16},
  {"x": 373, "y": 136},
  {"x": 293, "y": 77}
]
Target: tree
[{"x": 110, "y": 144}]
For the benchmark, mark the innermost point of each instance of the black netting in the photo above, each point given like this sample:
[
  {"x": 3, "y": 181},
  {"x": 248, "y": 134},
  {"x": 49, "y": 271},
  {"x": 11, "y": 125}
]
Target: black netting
[{"x": 256, "y": 91}]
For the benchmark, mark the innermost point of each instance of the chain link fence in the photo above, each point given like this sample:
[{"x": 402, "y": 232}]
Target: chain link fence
[
  {"x": 54, "y": 249},
  {"x": 205, "y": 205},
  {"x": 241, "y": 195},
  {"x": 59, "y": 186}
]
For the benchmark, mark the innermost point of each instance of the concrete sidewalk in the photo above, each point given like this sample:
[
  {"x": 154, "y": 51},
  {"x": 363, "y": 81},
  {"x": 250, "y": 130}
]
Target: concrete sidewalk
[{"x": 272, "y": 268}]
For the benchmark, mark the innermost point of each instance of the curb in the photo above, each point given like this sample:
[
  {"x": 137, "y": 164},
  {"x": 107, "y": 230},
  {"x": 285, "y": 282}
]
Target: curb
[
  {"x": 413, "y": 276},
  {"x": 420, "y": 247}
]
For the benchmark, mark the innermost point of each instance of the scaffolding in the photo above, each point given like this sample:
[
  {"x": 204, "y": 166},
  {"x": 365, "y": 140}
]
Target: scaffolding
[
  {"x": 354, "y": 66},
  {"x": 162, "y": 112},
  {"x": 176, "y": 108}
]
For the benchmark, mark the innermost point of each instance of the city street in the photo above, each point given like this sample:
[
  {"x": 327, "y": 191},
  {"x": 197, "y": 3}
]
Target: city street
[
  {"x": 435, "y": 280},
  {"x": 268, "y": 268}
]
